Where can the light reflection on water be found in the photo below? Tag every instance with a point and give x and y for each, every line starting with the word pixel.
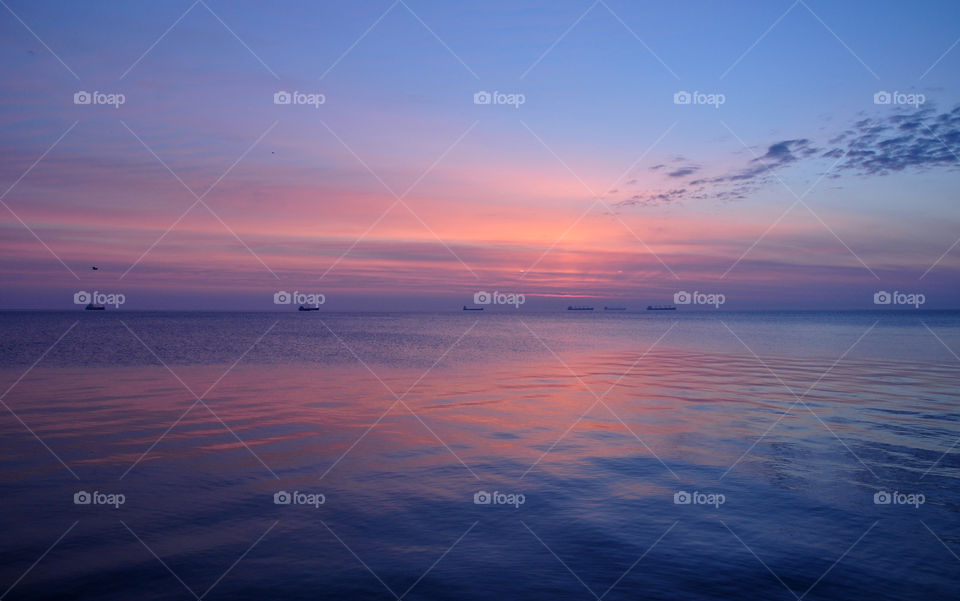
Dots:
pixel 499 412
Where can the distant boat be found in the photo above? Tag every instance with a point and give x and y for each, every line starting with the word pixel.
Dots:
pixel 302 308
pixel 614 308
pixel 93 307
pixel 573 308
pixel 466 308
pixel 661 308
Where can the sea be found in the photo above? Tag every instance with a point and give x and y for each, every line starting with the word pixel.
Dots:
pixel 480 455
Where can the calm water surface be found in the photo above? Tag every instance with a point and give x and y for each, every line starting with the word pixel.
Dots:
pixel 795 421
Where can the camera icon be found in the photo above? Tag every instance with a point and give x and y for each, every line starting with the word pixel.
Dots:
pixel 682 498
pixel 681 298
pixel 282 297
pixel 882 298
pixel 882 97
pixel 82 498
pixel 481 298
pixel 482 497
pixel 82 298
pixel 282 497
pixel 682 97
pixel 882 498
pixel 81 97
pixel 282 97
pixel 482 97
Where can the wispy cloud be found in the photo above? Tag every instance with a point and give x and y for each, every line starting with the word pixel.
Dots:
pixel 874 146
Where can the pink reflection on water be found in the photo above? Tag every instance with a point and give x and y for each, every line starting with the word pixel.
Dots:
pixel 696 409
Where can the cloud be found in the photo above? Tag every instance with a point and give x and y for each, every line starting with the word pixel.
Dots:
pixel 684 171
pixel 898 142
pixel 654 198
pixel 905 141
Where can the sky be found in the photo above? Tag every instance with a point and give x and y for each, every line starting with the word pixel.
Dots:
pixel 815 164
